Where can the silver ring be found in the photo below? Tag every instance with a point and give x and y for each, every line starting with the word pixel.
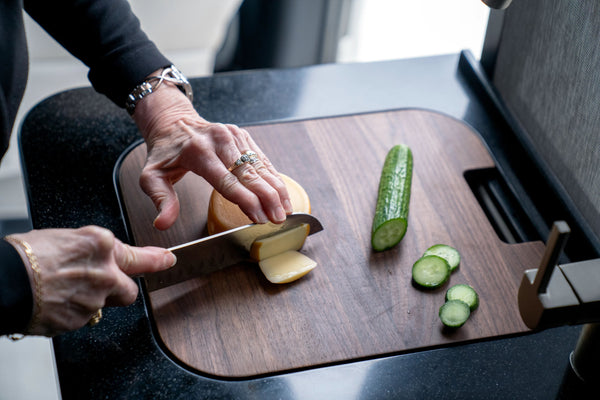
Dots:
pixel 249 157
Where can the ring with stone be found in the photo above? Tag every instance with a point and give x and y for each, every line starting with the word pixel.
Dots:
pixel 248 157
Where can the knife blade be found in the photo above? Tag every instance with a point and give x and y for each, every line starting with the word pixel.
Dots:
pixel 213 253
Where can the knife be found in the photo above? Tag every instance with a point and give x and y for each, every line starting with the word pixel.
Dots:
pixel 213 253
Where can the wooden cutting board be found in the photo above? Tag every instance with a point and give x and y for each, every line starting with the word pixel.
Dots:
pixel 356 304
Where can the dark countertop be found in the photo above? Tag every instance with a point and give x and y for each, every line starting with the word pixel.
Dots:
pixel 71 142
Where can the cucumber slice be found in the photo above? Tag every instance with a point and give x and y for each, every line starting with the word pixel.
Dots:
pixel 391 211
pixel 388 234
pixel 454 313
pixel 431 271
pixel 449 253
pixel 464 293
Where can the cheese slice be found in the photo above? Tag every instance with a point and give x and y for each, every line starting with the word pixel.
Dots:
pixel 286 267
pixel 292 239
pixel 224 215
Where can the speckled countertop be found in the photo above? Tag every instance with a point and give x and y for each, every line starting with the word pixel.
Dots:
pixel 71 142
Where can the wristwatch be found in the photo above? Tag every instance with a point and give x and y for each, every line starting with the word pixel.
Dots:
pixel 169 74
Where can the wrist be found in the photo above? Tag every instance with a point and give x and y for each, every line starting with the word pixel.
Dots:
pixel 165 107
pixel 169 76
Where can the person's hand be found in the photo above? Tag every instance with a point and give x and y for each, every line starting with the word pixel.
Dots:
pixel 81 271
pixel 179 140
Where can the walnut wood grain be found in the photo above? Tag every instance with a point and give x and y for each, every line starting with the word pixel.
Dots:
pixel 356 304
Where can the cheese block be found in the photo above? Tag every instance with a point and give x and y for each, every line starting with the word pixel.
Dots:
pixel 286 267
pixel 292 239
pixel 224 215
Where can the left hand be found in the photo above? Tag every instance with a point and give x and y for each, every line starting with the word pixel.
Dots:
pixel 179 140
pixel 81 271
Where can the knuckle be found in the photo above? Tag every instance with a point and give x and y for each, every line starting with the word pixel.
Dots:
pixel 278 185
pixel 130 296
pixel 272 195
pixel 266 162
pixel 226 185
pixel 129 258
pixel 220 131
pixel 100 239
pixel 146 182
pixel 249 175
pixel 261 168
pixel 146 177
pixel 243 134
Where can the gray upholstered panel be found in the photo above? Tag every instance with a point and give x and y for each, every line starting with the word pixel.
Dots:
pixel 548 73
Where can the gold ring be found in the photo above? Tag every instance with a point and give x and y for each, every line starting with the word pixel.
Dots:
pixel 95 318
pixel 248 157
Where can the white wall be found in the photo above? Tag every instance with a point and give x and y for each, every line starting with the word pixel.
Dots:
pixel 396 29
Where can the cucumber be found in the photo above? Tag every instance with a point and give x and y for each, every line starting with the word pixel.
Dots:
pixel 465 293
pixel 454 313
pixel 430 271
pixel 391 211
pixel 449 253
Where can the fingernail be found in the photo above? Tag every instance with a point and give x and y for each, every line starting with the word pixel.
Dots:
pixel 279 214
pixel 261 217
pixel 173 258
pixel 288 206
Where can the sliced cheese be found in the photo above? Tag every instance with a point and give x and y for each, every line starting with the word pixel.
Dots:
pixel 292 239
pixel 286 267
pixel 224 215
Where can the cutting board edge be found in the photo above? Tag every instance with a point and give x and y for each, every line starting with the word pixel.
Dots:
pixel 374 357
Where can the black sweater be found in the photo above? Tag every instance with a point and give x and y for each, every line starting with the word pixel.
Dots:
pixel 107 37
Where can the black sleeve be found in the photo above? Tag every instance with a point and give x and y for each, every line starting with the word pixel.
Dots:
pixel 106 36
pixel 16 298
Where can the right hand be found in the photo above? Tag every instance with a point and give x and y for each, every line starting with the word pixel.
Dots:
pixel 83 270
pixel 179 140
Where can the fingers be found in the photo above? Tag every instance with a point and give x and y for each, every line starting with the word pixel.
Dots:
pixel 110 264
pixel 250 180
pixel 134 261
pixel 160 190
pixel 210 150
pixel 231 188
pixel 75 272
pixel 268 172
pixel 249 176
pixel 102 273
pixel 140 260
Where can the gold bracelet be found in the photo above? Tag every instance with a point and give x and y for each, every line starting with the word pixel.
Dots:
pixel 37 279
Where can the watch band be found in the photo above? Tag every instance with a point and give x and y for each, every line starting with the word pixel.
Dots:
pixel 169 74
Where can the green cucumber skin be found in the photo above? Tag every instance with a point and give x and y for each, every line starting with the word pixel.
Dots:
pixel 448 252
pixel 425 262
pixel 394 192
pixel 448 313
pixel 464 293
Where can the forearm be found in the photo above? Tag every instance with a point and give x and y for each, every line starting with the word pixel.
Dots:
pixel 106 36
